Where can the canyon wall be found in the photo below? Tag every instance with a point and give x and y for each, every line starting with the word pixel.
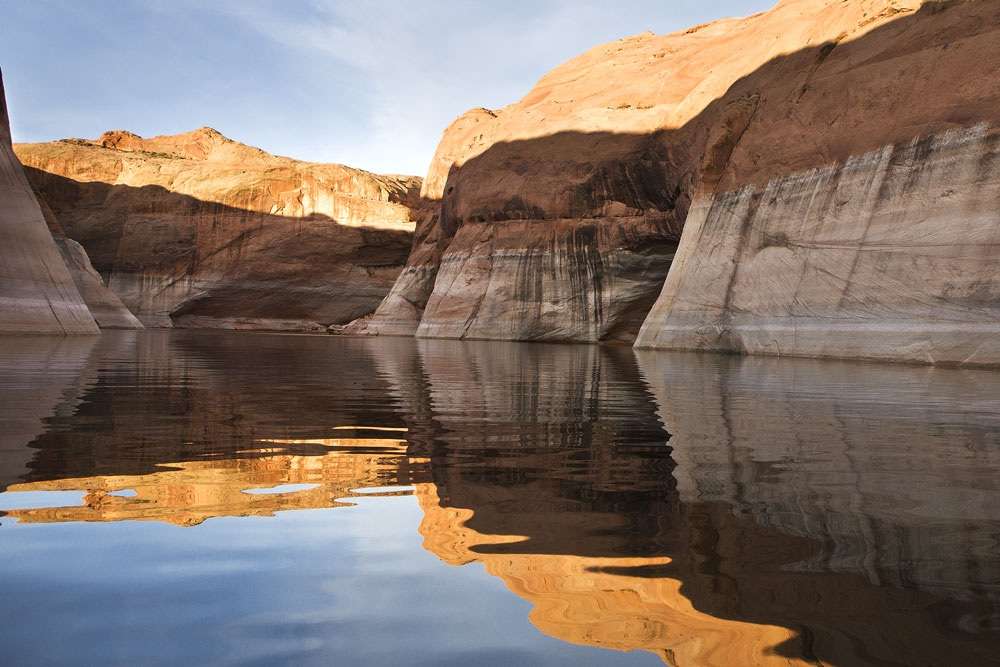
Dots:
pixel 858 215
pixel 106 308
pixel 37 291
pixel 822 159
pixel 550 219
pixel 198 230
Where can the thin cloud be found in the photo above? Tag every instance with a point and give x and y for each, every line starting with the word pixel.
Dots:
pixel 370 84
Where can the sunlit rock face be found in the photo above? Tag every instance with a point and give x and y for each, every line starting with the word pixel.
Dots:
pixel 558 216
pixel 199 230
pixel 838 228
pixel 37 291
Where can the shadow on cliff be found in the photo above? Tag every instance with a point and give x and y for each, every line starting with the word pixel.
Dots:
pixel 263 265
pixel 576 184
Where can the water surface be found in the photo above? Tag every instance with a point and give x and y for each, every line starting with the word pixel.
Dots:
pixel 261 499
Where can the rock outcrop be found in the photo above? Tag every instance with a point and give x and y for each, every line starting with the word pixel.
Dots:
pixel 198 230
pixel 548 224
pixel 832 164
pixel 106 308
pixel 37 291
pixel 858 215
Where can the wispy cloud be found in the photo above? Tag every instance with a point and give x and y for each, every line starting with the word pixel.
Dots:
pixel 372 84
pixel 422 64
pixel 421 67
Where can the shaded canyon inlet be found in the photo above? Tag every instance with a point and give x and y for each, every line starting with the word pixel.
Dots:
pixel 184 496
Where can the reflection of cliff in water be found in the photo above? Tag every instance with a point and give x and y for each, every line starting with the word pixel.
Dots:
pixel 40 377
pixel 817 513
pixel 892 471
pixel 154 399
pixel 188 493
pixel 798 512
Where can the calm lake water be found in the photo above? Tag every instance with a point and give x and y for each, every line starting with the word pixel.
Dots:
pixel 201 497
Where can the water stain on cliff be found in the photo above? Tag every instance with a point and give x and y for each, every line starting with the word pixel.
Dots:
pixel 642 184
pixel 176 259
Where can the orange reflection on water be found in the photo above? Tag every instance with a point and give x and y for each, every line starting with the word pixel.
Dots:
pixel 582 600
pixel 187 493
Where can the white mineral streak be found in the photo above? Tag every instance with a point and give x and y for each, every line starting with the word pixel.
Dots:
pixel 891 255
pixel 37 292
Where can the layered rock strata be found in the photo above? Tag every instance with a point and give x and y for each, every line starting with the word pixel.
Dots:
pixel 37 291
pixel 826 158
pixel 199 230
pixel 874 233
pixel 545 223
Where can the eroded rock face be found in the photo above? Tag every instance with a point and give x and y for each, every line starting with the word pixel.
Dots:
pixel 106 308
pixel 563 237
pixel 890 256
pixel 870 226
pixel 559 215
pixel 199 230
pixel 37 291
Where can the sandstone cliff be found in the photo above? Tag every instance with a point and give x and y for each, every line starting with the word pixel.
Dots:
pixel 198 230
pixel 852 142
pixel 106 308
pixel 857 214
pixel 37 291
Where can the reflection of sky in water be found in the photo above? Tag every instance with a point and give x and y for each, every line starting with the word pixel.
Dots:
pixel 214 497
pixel 22 500
pixel 303 588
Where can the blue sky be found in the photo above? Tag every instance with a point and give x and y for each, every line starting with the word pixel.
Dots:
pixel 369 84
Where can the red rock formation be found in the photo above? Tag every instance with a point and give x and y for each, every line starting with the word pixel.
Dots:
pixel 198 230
pixel 37 292
pixel 558 215
pixel 856 213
